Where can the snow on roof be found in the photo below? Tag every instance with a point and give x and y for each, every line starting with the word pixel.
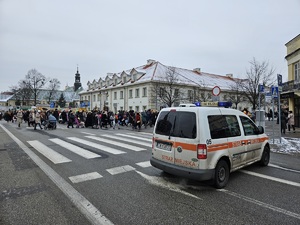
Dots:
pixel 156 71
pixel 5 98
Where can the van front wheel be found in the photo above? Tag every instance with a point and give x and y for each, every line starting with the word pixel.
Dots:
pixel 221 174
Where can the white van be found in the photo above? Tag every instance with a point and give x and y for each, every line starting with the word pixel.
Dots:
pixel 207 143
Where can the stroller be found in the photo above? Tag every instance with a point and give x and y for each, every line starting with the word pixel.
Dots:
pixel 50 125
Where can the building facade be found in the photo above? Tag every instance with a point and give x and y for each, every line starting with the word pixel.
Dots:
pixel 138 88
pixel 291 89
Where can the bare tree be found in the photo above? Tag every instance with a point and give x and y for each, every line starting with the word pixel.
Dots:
pixel 236 92
pixel 54 85
pixel 34 80
pixel 167 90
pixel 259 73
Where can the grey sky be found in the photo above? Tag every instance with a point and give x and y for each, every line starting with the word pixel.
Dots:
pixel 218 36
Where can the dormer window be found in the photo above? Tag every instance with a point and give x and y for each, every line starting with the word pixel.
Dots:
pixel 116 81
pixel 107 83
pixel 124 79
pixel 134 77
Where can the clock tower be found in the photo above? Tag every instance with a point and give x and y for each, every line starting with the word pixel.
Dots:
pixel 77 83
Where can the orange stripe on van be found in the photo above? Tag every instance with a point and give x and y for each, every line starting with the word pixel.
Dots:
pixel 185 146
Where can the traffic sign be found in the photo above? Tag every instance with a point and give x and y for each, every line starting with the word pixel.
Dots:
pixel 261 88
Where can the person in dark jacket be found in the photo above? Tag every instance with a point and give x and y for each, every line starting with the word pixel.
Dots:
pixel 283 122
pixel 71 119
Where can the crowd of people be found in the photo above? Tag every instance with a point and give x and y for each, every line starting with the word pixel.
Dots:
pixel 96 119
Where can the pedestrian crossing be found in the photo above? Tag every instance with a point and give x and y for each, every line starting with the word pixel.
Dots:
pixel 115 144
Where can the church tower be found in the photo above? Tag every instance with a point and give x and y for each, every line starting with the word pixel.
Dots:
pixel 77 83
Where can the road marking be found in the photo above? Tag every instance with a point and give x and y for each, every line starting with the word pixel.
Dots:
pixel 265 205
pixel 85 177
pixel 130 147
pixel 98 146
pixel 144 164
pixel 271 178
pixel 149 134
pixel 73 148
pixel 283 168
pixel 127 140
pixel 83 205
pixel 88 133
pixel 120 169
pixel 134 136
pixel 161 182
pixel 52 155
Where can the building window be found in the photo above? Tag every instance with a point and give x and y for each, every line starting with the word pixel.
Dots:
pixel 130 93
pixel 144 108
pixel 107 83
pixel 116 81
pixel 134 77
pixel 121 95
pixel 190 95
pixel 137 109
pixel 297 71
pixel 94 98
pixel 137 93
pixel 115 95
pixel 144 92
pixel 130 107
pixel 121 108
pixel 124 79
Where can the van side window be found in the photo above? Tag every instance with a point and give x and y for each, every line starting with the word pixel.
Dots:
pixel 249 127
pixel 177 124
pixel 223 126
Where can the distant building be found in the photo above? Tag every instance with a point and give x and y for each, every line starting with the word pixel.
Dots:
pixel 77 83
pixel 291 89
pixel 133 89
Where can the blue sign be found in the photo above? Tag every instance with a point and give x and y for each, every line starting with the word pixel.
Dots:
pixel 52 105
pixel 279 79
pixel 261 88
pixel 274 92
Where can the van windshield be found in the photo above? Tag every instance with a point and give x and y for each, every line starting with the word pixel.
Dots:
pixel 177 124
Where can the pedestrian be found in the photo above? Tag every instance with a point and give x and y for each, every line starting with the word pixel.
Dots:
pixel 37 119
pixel 291 121
pixel 283 122
pixel 71 119
pixel 19 117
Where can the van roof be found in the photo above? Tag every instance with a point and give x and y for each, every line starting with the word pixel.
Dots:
pixel 205 110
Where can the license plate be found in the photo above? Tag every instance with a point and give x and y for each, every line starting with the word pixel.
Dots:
pixel 164 146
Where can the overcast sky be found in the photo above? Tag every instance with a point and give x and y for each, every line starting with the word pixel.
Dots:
pixel 218 36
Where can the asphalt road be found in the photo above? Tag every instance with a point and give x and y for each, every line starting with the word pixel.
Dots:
pixel 120 187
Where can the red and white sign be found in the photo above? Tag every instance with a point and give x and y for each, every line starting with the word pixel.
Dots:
pixel 216 91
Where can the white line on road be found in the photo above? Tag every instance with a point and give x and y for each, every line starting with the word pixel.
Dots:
pixel 120 169
pixel 134 136
pixel 83 205
pixel 283 168
pixel 271 178
pixel 265 205
pixel 88 133
pixel 117 143
pixel 144 164
pixel 85 177
pixel 98 146
pixel 128 140
pixel 73 148
pixel 52 155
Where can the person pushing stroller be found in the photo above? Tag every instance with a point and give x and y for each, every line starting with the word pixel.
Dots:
pixel 51 122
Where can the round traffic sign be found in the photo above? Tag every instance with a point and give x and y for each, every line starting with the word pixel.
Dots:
pixel 216 90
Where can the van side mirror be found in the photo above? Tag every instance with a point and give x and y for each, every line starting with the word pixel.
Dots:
pixel 261 129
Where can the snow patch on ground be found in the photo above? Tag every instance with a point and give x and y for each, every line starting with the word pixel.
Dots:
pixel 287 145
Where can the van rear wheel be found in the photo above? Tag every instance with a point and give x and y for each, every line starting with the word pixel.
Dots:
pixel 221 174
pixel 265 157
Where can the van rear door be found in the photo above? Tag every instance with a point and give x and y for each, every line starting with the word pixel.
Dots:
pixel 163 141
pixel 184 132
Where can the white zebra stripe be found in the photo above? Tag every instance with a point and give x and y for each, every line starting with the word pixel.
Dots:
pixel 128 140
pixel 98 146
pixel 120 169
pixel 73 148
pixel 136 137
pixel 52 155
pixel 119 144
pixel 85 177
pixel 144 164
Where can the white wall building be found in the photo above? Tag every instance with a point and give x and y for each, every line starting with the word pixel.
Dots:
pixel 134 88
